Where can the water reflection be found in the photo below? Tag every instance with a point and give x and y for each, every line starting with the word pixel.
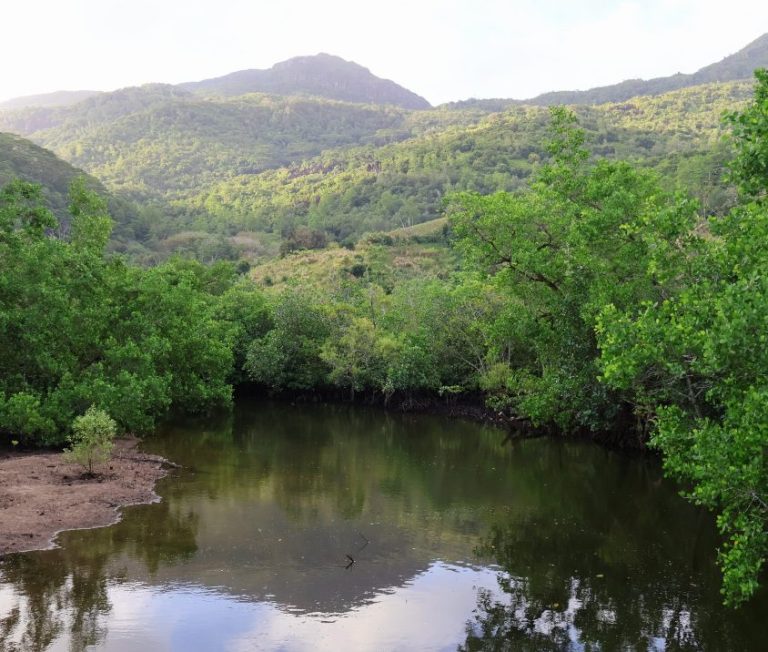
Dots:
pixel 66 592
pixel 637 576
pixel 552 545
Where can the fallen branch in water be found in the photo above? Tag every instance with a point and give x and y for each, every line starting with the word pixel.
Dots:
pixel 360 549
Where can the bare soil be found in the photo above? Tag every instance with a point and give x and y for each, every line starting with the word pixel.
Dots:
pixel 41 494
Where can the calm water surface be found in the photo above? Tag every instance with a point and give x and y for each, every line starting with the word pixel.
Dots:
pixel 458 540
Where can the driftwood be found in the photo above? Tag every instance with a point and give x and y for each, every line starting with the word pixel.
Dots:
pixel 360 549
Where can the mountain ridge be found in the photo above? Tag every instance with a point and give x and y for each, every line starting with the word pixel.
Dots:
pixel 735 67
pixel 322 75
pixel 47 100
pixel 332 77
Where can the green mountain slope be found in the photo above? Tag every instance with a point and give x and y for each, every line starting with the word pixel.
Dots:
pixel 357 190
pixel 322 75
pixel 159 141
pixel 229 176
pixel 21 159
pixel 102 109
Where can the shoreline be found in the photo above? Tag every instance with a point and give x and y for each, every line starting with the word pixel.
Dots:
pixel 41 495
pixel 469 406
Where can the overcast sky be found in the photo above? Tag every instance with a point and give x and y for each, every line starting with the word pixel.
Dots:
pixel 442 49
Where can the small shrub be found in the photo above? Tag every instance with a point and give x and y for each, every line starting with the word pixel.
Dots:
pixel 92 439
pixel 358 270
pixel 378 238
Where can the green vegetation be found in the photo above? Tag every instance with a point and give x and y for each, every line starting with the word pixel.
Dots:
pixel 21 159
pixel 228 178
pixel 352 191
pixel 695 359
pixel 572 242
pixel 384 258
pixel 627 300
pixel 79 329
pixel 92 439
pixel 610 280
pixel 161 142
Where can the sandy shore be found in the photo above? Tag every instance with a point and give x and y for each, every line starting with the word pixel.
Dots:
pixel 41 495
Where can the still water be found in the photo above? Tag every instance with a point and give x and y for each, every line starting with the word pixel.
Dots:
pixel 341 528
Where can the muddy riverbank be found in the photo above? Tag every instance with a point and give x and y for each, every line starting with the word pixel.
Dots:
pixel 42 495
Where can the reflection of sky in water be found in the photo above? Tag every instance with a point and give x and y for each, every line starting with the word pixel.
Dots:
pixel 429 613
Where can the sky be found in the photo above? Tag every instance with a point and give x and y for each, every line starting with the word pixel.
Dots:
pixel 442 49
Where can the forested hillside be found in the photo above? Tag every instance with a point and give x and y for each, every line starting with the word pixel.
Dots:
pixel 158 141
pixel 214 168
pixel 222 172
pixel 22 159
pixel 349 192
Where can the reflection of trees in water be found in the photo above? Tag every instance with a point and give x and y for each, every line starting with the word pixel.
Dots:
pixel 557 594
pixel 316 459
pixel 54 595
pixel 155 534
pixel 584 622
pixel 66 590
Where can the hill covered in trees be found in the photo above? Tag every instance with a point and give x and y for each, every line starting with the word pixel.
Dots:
pixel 348 192
pixel 221 175
pixel 22 159
pixel 159 141
pixel 218 167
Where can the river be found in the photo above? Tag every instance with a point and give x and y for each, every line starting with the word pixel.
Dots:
pixel 327 527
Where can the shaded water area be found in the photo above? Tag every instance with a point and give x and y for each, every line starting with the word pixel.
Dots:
pixel 459 541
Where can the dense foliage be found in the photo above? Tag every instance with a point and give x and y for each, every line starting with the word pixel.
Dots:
pixel 695 359
pixel 21 159
pixel 356 190
pixel 158 141
pixel 78 329
pixel 628 300
pixel 575 240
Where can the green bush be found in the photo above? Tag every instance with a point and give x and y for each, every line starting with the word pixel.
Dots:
pixel 92 439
